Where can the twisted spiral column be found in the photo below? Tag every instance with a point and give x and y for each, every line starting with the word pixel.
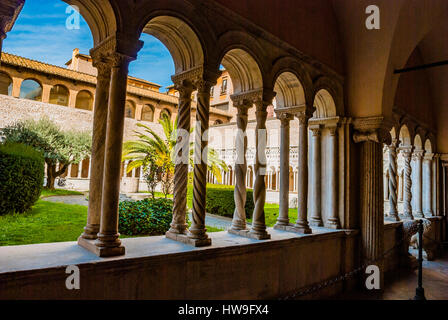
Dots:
pixel 301 224
pixel 197 230
pixel 258 218
pixel 393 182
pixel 178 224
pixel 407 207
pixel 239 215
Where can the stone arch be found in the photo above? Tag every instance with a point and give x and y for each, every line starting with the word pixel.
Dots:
pixel 292 65
pixel 289 90
pixel 243 70
pixel 59 95
pixel 405 136
pixel 324 104
pixel 418 142
pixel 428 146
pixel 5 83
pixel 179 38
pixel 148 113
pixel 84 100
pixel 328 88
pixel 130 109
pixel 100 17
pixel 31 89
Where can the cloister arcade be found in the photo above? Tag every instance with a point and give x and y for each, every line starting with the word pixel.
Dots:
pixel 340 124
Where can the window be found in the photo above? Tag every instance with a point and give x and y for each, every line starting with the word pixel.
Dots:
pixel 31 89
pixel 224 86
pixel 129 109
pixel 59 95
pixel 148 113
pixel 217 122
pixel 84 100
pixel 5 84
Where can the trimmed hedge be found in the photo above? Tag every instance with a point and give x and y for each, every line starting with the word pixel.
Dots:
pixel 146 217
pixel 221 201
pixel 21 177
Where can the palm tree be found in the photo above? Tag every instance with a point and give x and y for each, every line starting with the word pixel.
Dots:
pixel 141 153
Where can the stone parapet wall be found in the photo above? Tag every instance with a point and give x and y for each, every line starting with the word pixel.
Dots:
pixel 15 109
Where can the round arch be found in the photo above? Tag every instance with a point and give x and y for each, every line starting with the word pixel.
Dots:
pixel 289 91
pixel 31 89
pixel 84 100
pixel 148 113
pixel 428 146
pixel 405 136
pixel 129 111
pixel 179 38
pixel 59 95
pixel 418 142
pixel 324 104
pixel 5 83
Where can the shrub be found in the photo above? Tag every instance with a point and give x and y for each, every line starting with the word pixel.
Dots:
pixel 221 201
pixel 21 177
pixel 145 217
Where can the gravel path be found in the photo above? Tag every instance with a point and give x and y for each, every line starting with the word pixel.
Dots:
pixel 210 219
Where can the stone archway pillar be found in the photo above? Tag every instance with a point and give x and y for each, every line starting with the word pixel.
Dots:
pixel 393 181
pixel 333 165
pixel 418 157
pixel 283 217
pixel 407 194
pixel 98 146
pixel 302 226
pixel 185 88
pixel 316 191
pixel 371 137
pixel 242 103
pixel 427 184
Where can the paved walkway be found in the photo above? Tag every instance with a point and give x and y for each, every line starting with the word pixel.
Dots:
pixel 210 220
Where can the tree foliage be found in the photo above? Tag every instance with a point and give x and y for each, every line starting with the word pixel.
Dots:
pixel 57 146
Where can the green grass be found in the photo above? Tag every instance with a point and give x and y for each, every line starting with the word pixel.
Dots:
pixel 47 222
pixel 271 213
pixel 58 192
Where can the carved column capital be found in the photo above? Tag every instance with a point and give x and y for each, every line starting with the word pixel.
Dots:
pixel 418 155
pixel 316 130
pixel 379 135
pixel 246 99
pixel 116 50
pixel 333 129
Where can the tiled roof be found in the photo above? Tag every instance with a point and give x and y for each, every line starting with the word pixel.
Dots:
pixel 18 61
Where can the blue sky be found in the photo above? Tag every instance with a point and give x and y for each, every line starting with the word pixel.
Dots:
pixel 40 33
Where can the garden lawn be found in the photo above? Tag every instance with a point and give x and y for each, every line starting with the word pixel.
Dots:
pixel 47 222
pixel 59 192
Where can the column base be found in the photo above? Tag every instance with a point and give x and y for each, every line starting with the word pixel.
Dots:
pixel 90 245
pixel 316 222
pixel 187 240
pixel 333 224
pixel 418 215
pixel 292 228
pixel 249 234
pixel 91 232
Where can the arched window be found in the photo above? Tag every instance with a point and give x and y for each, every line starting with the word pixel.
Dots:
pixel 5 84
pixel 165 112
pixel 148 113
pixel 130 109
pixel 84 100
pixel 59 95
pixel 217 122
pixel 31 89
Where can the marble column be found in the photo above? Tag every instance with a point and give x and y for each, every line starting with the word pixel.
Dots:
pixel 302 225
pixel 283 216
pixel 407 196
pixel 197 232
pixel 178 224
pixel 108 241
pixel 418 157
pixel 240 193
pixel 427 185
pixel 393 182
pixel 372 199
pixel 316 190
pixel 333 183
pixel 258 230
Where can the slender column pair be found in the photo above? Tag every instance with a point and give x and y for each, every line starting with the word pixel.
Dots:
pixel 244 101
pixel 418 157
pixel 393 181
pixel 428 184
pixel 202 81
